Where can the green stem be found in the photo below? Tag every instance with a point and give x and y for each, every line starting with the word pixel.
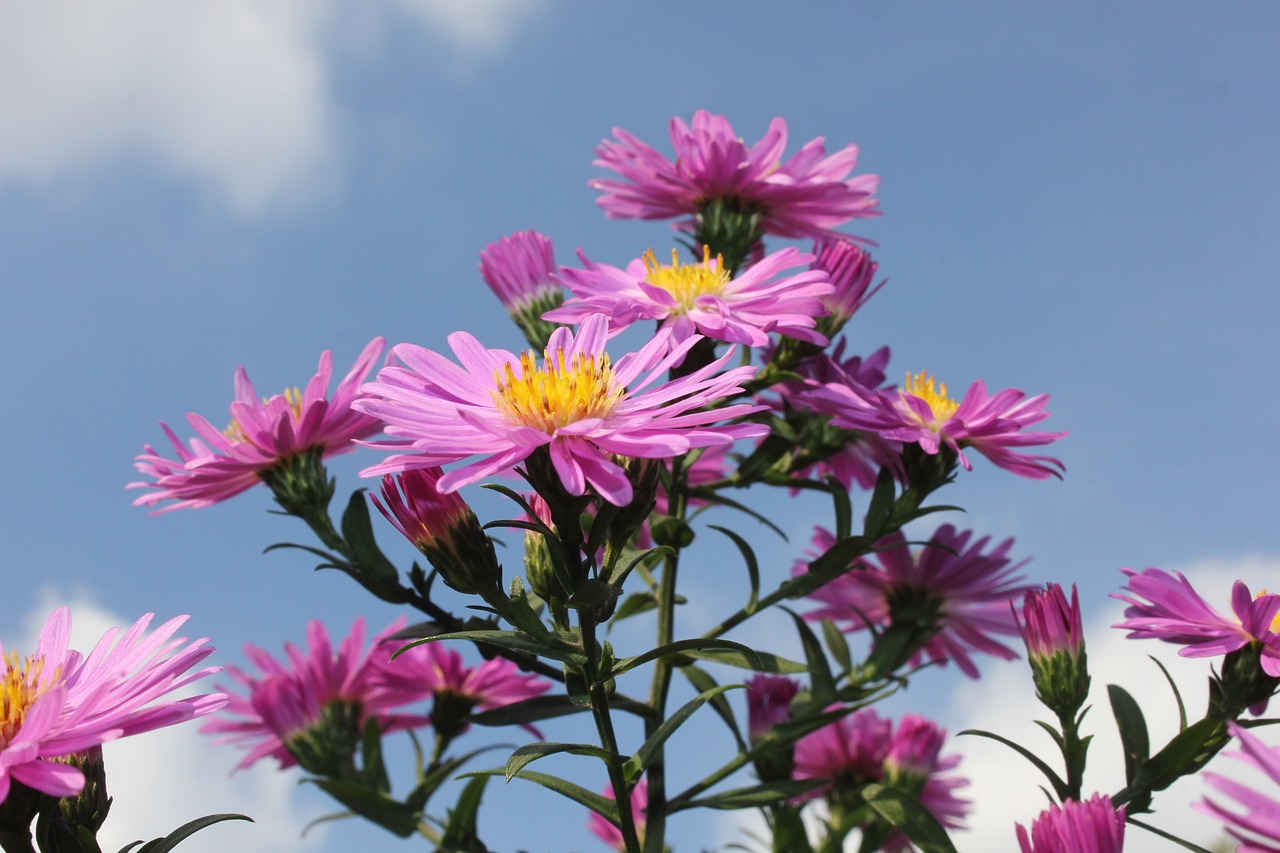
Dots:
pixel 599 701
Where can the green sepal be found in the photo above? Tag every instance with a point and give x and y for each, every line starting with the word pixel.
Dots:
pixel 837 645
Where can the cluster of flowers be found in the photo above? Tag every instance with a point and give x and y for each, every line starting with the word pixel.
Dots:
pixel 580 422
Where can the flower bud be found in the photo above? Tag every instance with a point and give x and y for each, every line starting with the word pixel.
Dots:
pixel 1052 631
pixel 445 530
pixel 520 269
pixel 768 705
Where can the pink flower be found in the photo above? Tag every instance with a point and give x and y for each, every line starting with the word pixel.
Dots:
pixel 437 671
pixel 1174 612
pixel 607 831
pixel 318 695
pixel 1051 625
pixel 520 269
pixel 970 592
pixel 921 412
pixel 1257 827
pixel 851 270
pixel 576 404
pixel 702 298
pixel 220 464
pixel 808 195
pixel 58 702
pixel 862 748
pixel 769 702
pixel 1093 826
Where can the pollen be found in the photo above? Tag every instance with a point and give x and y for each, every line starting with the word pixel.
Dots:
pixel 561 392
pixel 686 282
pixel 927 388
pixel 19 687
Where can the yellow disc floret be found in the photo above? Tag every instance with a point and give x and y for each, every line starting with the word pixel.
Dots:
pixel 928 389
pixel 19 687
pixel 687 282
pixel 557 394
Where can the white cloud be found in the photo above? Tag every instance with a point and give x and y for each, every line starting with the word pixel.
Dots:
pixel 1005 787
pixel 232 96
pixel 162 779
pixel 476 24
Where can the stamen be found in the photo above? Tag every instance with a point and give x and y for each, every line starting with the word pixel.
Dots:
pixel 687 282
pixel 926 388
pixel 557 394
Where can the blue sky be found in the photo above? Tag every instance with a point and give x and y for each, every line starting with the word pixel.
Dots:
pixel 1079 199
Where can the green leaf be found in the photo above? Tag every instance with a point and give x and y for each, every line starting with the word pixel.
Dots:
pixel 754 796
pixel 375 807
pixel 843 507
pixel 1133 731
pixel 697 644
pixel 702 682
pixel 1183 754
pixel 598 803
pixel 531 752
pixel 670 532
pixel 637 763
pixel 713 497
pixel 1168 836
pixel 460 832
pixel 757 662
pixel 527 711
pixel 880 509
pixel 633 605
pixel 1059 786
pixel 631 559
pixel 753 567
pixel 430 782
pixel 837 645
pixel 822 684
pixel 1177 697
pixel 375 770
pixel 173 839
pixel 514 640
pixel 906 813
pixel 358 531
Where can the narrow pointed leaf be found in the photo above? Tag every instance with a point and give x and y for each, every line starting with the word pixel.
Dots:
pixel 357 529
pixel 1059 786
pixel 460 829
pixel 173 839
pixel 637 763
pixel 753 567
pixel 702 682
pixel 697 644
pixel 755 796
pixel 514 640
pixel 905 813
pixel 757 662
pixel 598 803
pixel 822 683
pixel 531 752
pixel 392 815
pixel 1133 731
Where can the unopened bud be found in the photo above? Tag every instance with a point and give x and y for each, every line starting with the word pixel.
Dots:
pixel 1051 629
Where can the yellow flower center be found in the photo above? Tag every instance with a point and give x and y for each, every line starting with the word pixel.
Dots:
pixel 686 282
pixel 292 396
pixel 19 687
pixel 1275 622
pixel 557 394
pixel 928 389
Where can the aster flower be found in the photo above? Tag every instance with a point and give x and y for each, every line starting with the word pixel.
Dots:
pixel 702 298
pixel 1166 607
pixel 967 593
pixel 1075 827
pixel 769 702
pixel 851 270
pixel 263 434
pixel 520 269
pixel 808 195
pixel 921 412
pixel 607 831
pixel 438 672
pixel 576 404
pixel 1257 827
pixel 57 702
pixel 445 529
pixel 311 708
pixel 863 748
pixel 1052 630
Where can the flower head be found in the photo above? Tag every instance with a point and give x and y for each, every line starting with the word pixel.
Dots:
pixel 57 702
pixel 1052 630
pixel 847 753
pixel 263 435
pixel 851 270
pixel 576 404
pixel 1094 826
pixel 1257 827
pixel 311 709
pixel 520 269
pixel 807 195
pixel 1174 612
pixel 964 592
pixel 607 831
pixel 769 702
pixel 702 298
pixel 922 412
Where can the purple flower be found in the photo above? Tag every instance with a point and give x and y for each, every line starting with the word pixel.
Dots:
pixel 317 695
pixel 520 269
pixel 1257 827
pixel 808 195
pixel 433 670
pixel 921 412
pixel 1093 826
pixel 968 590
pixel 58 702
pixel 915 764
pixel 220 464
pixel 702 298
pixel 577 404
pixel 1050 624
pixel 769 702
pixel 851 270
pixel 1174 612
pixel 847 753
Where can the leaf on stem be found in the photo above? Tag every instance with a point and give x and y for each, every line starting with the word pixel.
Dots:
pixel 1133 731
pixel 905 813
pixel 1059 786
pixel 531 752
pixel 598 803
pixel 636 764
pixel 753 567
